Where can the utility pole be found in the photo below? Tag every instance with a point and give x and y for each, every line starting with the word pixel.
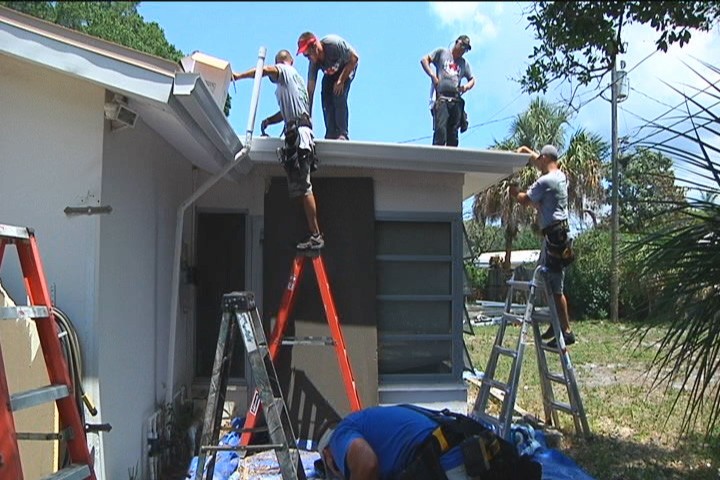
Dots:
pixel 614 214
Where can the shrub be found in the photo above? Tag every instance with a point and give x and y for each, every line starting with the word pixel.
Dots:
pixel 587 279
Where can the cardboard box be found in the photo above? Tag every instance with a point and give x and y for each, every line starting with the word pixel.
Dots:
pixel 216 74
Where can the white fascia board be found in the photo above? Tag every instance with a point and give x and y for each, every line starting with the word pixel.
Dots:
pixel 481 168
pixel 91 65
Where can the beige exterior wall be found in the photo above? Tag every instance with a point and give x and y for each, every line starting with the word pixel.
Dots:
pixel 26 370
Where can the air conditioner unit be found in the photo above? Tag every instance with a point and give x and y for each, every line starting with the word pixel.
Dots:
pixel 120 113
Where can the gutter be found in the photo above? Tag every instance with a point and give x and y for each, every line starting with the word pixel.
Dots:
pixel 239 157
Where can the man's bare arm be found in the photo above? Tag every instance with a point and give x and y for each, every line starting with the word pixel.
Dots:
pixel 268 70
pixel 362 461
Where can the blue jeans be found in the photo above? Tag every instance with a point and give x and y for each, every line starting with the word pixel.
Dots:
pixel 446 122
pixel 335 107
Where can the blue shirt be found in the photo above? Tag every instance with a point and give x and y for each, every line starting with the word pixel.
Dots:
pixel 393 433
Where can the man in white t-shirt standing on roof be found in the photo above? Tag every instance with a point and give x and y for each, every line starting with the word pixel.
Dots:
pixel 549 194
pixel 298 156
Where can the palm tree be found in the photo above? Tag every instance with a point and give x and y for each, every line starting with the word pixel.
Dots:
pixel 544 123
pixel 681 258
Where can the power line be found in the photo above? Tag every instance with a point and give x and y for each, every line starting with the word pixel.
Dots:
pixel 469 128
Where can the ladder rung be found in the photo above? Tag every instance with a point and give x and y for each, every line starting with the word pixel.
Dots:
pixel 11 231
pixel 38 396
pixel 73 472
pixel 230 448
pixel 511 317
pixel 13 313
pixel 506 351
pixel 548 348
pixel 308 341
pixel 565 407
pixel 519 284
pixel 556 378
pixel 541 316
pixel 496 384
pixel 62 435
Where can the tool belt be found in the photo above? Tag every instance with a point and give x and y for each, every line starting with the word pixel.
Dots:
pixel 464 124
pixel 291 155
pixel 558 246
pixel 486 456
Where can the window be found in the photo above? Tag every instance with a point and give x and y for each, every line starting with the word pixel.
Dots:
pixel 416 297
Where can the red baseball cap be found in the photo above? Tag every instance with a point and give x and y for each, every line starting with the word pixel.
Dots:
pixel 304 43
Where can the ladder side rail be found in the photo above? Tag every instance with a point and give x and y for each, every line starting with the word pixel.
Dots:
pixel 579 417
pixel 287 302
pixel 334 322
pixel 278 419
pixel 57 369
pixel 481 401
pixel 511 396
pixel 548 394
pixel 216 394
pixel 11 466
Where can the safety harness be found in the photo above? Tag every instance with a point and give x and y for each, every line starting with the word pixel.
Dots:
pixel 486 455
pixel 559 251
pixel 291 155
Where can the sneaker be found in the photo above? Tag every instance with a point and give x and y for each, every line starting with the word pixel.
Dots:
pixel 569 338
pixel 314 241
pixel 549 333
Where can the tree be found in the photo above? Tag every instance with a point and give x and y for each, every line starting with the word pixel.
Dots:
pixel 579 40
pixel 646 188
pixel 117 22
pixel 541 124
pixel 681 258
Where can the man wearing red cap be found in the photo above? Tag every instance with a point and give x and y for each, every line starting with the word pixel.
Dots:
pixel 338 61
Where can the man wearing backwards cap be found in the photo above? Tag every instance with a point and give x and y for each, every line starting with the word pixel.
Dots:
pixel 549 194
pixel 448 110
pixel 381 442
pixel 338 61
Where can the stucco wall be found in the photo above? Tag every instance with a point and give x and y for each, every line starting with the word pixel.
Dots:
pixel 50 150
pixel 144 180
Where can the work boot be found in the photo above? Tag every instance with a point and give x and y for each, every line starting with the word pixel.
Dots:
pixel 569 338
pixel 313 241
pixel 549 333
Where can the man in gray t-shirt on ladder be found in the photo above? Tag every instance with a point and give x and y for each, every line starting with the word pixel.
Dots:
pixel 299 152
pixel 549 194
pixel 449 108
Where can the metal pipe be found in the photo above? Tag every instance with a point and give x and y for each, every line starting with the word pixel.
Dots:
pixel 175 296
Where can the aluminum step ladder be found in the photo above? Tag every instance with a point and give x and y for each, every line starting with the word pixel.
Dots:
pixel 337 340
pixel 240 312
pixel 60 390
pixel 531 318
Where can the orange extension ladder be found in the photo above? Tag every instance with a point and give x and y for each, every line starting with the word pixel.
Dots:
pixel 277 337
pixel 60 389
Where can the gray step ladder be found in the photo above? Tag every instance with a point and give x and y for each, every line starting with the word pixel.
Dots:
pixel 531 318
pixel 60 391
pixel 240 312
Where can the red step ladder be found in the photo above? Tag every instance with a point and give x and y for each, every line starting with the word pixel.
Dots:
pixel 277 337
pixel 60 389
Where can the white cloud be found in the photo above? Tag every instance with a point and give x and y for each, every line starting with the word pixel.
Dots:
pixel 474 19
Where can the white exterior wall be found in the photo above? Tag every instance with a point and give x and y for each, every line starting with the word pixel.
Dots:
pixel 144 180
pixel 50 158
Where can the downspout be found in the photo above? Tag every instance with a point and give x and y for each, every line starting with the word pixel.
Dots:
pixel 240 156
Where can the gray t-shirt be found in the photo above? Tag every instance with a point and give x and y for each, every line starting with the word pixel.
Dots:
pixel 337 55
pixel 550 191
pixel 291 93
pixel 449 71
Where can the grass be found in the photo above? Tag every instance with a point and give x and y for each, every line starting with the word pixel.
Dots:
pixel 634 434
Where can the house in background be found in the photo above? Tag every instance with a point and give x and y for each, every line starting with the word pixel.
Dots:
pixel 391 215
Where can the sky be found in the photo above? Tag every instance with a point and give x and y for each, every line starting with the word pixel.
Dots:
pixel 388 100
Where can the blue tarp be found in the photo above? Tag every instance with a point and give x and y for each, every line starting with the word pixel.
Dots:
pixel 555 464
